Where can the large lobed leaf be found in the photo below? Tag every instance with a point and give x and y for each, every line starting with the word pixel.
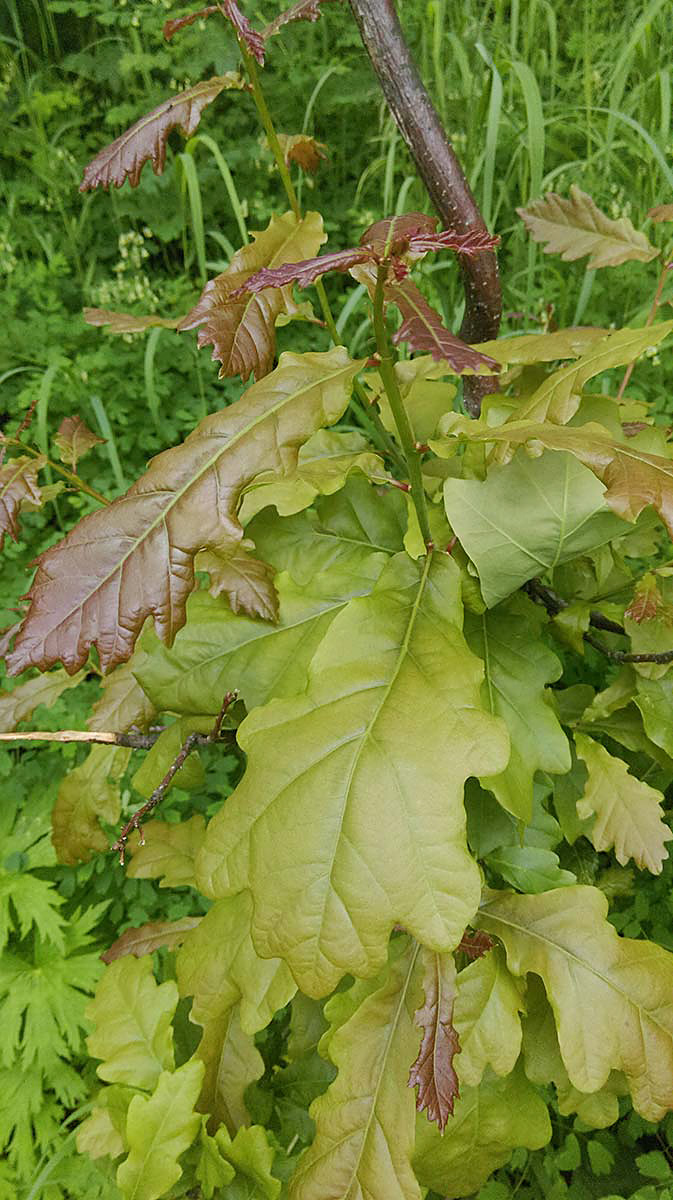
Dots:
pixel 126 156
pixel 132 1023
pixel 575 227
pixel 366 763
pixel 240 326
pixel 135 558
pixel 612 997
pixel 365 1120
pixel 633 478
pixel 526 518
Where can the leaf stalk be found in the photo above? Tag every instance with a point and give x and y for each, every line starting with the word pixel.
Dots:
pixel 407 439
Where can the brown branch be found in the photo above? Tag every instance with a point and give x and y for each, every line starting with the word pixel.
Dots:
pixel 440 170
pixel 555 604
pixel 190 743
pixel 136 741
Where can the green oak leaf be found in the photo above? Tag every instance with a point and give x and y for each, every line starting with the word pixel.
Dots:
pixel 528 517
pixel 132 1015
pixel 168 852
pixel 486 1015
pixel 86 796
pixel 654 698
pixel 530 868
pixel 159 1128
pixel 365 1120
pixel 218 650
pixel 323 464
pixel 20 704
pixel 363 760
pixel 628 811
pixel 339 532
pixel 488 1123
pixel 235 994
pixel 611 996
pixel 517 667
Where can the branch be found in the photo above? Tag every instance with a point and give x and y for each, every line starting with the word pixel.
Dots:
pixel 440 170
pixel 190 743
pixel 136 741
pixel 555 604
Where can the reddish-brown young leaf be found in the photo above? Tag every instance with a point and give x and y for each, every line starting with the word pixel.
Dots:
pixel 238 325
pixel 135 558
pixel 391 236
pixel 303 10
pixel 127 322
pixel 74 439
pixel 647 600
pixel 303 273
pixel 18 482
pixel 423 329
pixel 178 23
pixel 252 40
pixel 463 243
pixel 475 944
pixel 661 212
pixel 433 1070
pixel 126 156
pixel 148 938
pixel 303 150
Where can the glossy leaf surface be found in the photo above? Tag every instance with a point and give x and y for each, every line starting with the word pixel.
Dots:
pixel 18 482
pixel 136 557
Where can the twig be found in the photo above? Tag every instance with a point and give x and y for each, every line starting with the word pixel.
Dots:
pixel 555 604
pixel 194 739
pixel 666 656
pixel 136 741
pixel 28 416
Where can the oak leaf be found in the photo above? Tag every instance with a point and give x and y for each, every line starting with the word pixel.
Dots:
pixel 251 39
pixel 486 1016
pixel 241 326
pixel 385 663
pixel 168 852
pixel 244 580
pixel 576 227
pixel 74 439
pixel 303 10
pixel 159 1129
pixel 131 1015
pixel 433 1071
pixel 145 939
pixel 611 996
pixel 628 811
pixel 661 212
pixel 303 150
pixel 126 156
pixel 21 702
pixel 127 322
pixel 647 600
pixel 135 558
pixel 365 1120
pixel 174 26
pixel 425 332
pixel 18 482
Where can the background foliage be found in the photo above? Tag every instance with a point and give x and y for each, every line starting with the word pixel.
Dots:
pixel 535 95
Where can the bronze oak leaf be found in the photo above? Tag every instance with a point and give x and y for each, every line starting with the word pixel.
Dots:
pixel 135 558
pixel 433 1070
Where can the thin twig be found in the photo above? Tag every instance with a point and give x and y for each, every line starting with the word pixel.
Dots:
pixel 555 604
pixel 136 741
pixel 650 318
pixel 194 739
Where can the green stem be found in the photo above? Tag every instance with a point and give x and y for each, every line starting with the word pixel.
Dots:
pixel 265 118
pixel 370 420
pixel 387 372
pixel 60 470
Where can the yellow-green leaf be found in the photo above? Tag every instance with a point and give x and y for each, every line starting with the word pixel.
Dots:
pixel 168 852
pixel 132 1018
pixel 395 661
pixel 158 1130
pixel 628 811
pixel 612 997
pixel 486 1015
